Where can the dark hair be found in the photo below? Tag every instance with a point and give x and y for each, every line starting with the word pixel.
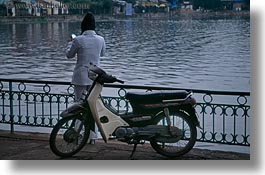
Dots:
pixel 88 22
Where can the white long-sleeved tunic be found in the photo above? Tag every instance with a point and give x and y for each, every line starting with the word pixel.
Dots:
pixel 88 47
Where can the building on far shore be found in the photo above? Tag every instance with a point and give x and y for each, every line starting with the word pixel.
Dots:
pixel 114 7
pixel 236 5
pixel 53 7
pixel 32 7
pixel 186 5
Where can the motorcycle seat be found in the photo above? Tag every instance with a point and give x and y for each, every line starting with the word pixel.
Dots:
pixel 155 97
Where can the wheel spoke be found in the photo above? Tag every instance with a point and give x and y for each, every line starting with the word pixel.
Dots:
pixel 187 138
pixel 69 136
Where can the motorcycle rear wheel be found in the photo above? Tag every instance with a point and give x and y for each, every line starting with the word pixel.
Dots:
pixel 67 138
pixel 188 138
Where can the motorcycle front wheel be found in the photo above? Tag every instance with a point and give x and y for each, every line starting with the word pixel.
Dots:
pixel 69 136
pixel 187 138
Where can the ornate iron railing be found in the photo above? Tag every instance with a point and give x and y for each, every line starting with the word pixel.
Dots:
pixel 224 116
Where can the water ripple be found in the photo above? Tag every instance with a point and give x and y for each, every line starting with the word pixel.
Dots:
pixel 203 54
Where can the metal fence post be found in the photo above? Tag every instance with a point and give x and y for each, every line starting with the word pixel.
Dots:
pixel 11 107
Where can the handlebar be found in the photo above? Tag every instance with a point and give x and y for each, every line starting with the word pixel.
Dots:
pixel 102 76
pixel 119 81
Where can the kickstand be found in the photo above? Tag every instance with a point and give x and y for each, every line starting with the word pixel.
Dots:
pixel 134 148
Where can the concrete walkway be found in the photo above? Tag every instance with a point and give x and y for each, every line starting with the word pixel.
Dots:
pixel 35 146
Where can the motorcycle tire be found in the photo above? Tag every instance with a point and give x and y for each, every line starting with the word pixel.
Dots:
pixel 188 138
pixel 72 141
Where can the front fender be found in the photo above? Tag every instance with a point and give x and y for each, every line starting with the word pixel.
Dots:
pixel 73 110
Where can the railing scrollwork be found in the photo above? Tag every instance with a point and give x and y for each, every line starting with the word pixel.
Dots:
pixel 224 116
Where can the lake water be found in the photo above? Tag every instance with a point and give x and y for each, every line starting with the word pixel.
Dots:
pixel 198 54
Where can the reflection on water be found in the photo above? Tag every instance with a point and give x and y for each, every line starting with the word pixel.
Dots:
pixel 199 54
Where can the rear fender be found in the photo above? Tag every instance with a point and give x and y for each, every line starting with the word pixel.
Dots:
pixel 186 109
pixel 190 111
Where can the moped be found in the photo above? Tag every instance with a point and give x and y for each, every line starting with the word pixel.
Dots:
pixel 165 119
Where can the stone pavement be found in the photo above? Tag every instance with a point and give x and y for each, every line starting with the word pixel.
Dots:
pixel 35 146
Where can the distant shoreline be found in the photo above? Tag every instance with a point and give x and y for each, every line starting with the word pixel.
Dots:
pixel 178 15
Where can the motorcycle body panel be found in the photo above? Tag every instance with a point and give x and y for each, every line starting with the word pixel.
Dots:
pixel 106 121
pixel 75 109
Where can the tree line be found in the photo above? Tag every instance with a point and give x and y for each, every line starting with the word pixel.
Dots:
pixel 96 6
pixel 214 4
pixel 105 6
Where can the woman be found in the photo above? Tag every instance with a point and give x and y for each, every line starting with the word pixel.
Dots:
pixel 88 47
